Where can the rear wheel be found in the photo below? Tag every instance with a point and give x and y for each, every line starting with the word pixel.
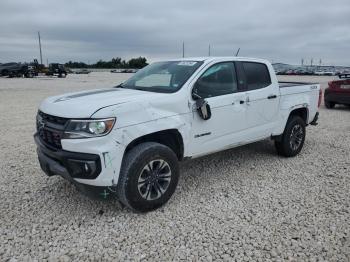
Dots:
pixel 329 105
pixel 29 75
pixel 293 137
pixel 148 177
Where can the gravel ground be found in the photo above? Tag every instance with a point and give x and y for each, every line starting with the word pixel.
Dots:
pixel 246 203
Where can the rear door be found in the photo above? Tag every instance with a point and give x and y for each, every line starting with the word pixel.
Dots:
pixel 218 86
pixel 262 100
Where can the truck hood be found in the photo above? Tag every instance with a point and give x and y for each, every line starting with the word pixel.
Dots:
pixel 85 104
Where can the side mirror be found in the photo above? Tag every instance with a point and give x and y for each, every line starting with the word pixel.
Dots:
pixel 203 109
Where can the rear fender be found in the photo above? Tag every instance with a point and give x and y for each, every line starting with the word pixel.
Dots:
pixel 286 110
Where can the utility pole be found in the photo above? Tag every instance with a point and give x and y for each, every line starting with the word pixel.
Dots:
pixel 209 50
pixel 302 62
pixel 312 61
pixel 183 49
pixel 41 55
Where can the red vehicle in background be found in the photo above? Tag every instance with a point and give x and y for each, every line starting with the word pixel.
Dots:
pixel 338 92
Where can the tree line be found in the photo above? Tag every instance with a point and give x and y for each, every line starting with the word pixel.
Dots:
pixel 117 62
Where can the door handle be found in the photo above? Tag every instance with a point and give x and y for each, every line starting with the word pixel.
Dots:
pixel 241 102
pixel 248 101
pixel 271 97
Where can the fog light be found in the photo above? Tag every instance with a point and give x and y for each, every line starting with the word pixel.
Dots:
pixel 81 168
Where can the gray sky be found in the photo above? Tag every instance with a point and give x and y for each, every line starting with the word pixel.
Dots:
pixel 281 31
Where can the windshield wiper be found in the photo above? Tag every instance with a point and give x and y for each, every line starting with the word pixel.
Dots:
pixel 119 86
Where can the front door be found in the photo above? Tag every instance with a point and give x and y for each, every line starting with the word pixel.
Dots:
pixel 218 86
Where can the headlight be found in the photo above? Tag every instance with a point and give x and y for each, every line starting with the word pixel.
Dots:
pixel 88 128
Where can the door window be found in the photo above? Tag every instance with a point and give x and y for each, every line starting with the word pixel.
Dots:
pixel 219 79
pixel 257 75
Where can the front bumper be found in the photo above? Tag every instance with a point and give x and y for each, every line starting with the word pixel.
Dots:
pixel 73 166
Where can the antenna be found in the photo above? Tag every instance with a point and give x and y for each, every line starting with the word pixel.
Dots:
pixel 238 51
pixel 41 56
pixel 209 50
pixel 183 49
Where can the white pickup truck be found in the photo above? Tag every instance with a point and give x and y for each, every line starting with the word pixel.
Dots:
pixel 127 141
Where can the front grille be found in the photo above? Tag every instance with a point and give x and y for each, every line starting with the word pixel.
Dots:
pixel 53 119
pixel 51 138
pixel 50 129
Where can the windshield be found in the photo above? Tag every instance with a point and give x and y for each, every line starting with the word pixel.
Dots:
pixel 164 77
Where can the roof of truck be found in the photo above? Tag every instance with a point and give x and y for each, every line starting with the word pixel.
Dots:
pixel 218 58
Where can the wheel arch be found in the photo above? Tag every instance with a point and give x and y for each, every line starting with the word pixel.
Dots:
pixel 303 112
pixel 171 138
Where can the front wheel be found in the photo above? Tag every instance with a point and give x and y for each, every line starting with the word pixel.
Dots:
pixel 148 177
pixel 293 137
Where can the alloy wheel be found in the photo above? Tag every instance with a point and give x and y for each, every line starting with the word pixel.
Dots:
pixel 154 179
pixel 296 137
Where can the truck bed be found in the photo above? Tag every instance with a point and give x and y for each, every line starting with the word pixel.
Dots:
pixel 299 88
pixel 290 84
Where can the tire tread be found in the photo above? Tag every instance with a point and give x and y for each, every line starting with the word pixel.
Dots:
pixel 135 155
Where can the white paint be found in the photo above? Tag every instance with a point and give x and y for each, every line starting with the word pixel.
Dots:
pixel 140 113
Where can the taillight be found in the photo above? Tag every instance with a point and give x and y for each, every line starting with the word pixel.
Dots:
pixel 319 97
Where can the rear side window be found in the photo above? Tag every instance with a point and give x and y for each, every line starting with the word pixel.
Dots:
pixel 257 75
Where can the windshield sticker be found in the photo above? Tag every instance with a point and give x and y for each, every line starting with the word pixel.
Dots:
pixel 187 63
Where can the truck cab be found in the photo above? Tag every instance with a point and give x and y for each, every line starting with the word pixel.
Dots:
pixel 128 140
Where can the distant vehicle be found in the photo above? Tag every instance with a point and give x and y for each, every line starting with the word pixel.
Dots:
pixel 56 69
pixel 82 71
pixel 303 72
pixel 338 92
pixel 129 70
pixel 324 73
pixel 127 141
pixel 69 71
pixel 30 71
pixel 124 70
pixel 290 72
pixel 16 69
pixel 281 72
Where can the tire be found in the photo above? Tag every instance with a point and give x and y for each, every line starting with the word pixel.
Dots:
pixel 29 75
pixel 141 190
pixel 293 137
pixel 329 105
